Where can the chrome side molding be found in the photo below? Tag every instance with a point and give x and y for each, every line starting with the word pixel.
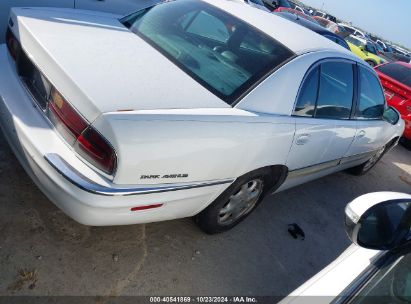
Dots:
pixel 84 183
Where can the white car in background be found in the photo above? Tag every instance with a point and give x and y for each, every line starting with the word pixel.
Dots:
pixel 352 30
pixel 377 267
pixel 183 109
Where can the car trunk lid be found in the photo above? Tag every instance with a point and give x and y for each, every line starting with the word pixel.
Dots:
pixel 99 66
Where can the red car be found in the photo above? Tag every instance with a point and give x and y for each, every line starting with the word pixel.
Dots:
pixel 396 80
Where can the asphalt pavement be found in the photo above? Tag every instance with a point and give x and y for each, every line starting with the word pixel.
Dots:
pixel 44 252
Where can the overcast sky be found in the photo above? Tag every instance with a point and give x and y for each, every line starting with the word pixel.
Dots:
pixel 391 19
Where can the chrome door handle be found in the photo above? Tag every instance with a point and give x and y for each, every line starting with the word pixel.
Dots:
pixel 302 139
pixel 361 134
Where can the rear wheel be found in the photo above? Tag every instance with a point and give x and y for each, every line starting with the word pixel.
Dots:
pixel 234 204
pixel 369 164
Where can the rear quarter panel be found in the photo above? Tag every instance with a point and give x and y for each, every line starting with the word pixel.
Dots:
pixel 198 145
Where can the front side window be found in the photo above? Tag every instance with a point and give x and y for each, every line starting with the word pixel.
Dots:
pixel 327 92
pixel 371 101
pixel 223 53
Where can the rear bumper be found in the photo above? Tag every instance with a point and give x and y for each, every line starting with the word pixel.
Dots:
pixel 70 184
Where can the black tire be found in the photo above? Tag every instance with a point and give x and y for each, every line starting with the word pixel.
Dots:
pixel 209 220
pixel 369 164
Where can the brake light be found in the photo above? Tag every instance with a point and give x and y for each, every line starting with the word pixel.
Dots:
pixel 13 45
pixel 66 114
pixel 87 142
pixel 94 148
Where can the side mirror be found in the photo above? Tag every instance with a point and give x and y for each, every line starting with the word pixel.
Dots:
pixel 391 116
pixel 380 220
pixel 362 48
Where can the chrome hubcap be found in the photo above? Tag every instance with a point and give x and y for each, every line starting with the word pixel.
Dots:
pixel 241 202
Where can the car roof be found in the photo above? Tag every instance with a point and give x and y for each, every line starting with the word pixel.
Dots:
pixel 298 39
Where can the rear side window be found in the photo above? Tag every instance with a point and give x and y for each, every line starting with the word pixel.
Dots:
pixel 336 90
pixel 398 72
pixel 371 102
pixel 327 92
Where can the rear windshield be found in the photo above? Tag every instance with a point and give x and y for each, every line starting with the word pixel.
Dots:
pixel 398 72
pixel 224 54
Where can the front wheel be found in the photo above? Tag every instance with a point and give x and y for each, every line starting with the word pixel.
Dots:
pixel 234 204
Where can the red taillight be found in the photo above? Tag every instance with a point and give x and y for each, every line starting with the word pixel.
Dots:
pixel 93 147
pixel 66 114
pixel 13 44
pixel 87 142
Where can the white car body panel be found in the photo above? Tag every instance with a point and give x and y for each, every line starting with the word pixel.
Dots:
pixel 196 142
pixel 333 279
pixel 103 44
pixel 160 121
pixel 366 201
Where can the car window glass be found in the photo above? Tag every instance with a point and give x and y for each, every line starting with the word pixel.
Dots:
pixel 223 53
pixel 371 100
pixel 208 26
pixel 336 91
pixel 338 41
pixel 308 95
pixel 342 43
pixel 371 48
pixel 392 284
pixel 354 41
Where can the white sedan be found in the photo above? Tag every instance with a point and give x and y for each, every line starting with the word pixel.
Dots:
pixel 186 108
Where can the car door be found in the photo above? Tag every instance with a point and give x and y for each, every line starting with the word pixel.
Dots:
pixel 372 132
pixel 324 130
pixel 121 7
pixel 387 280
pixel 5 6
